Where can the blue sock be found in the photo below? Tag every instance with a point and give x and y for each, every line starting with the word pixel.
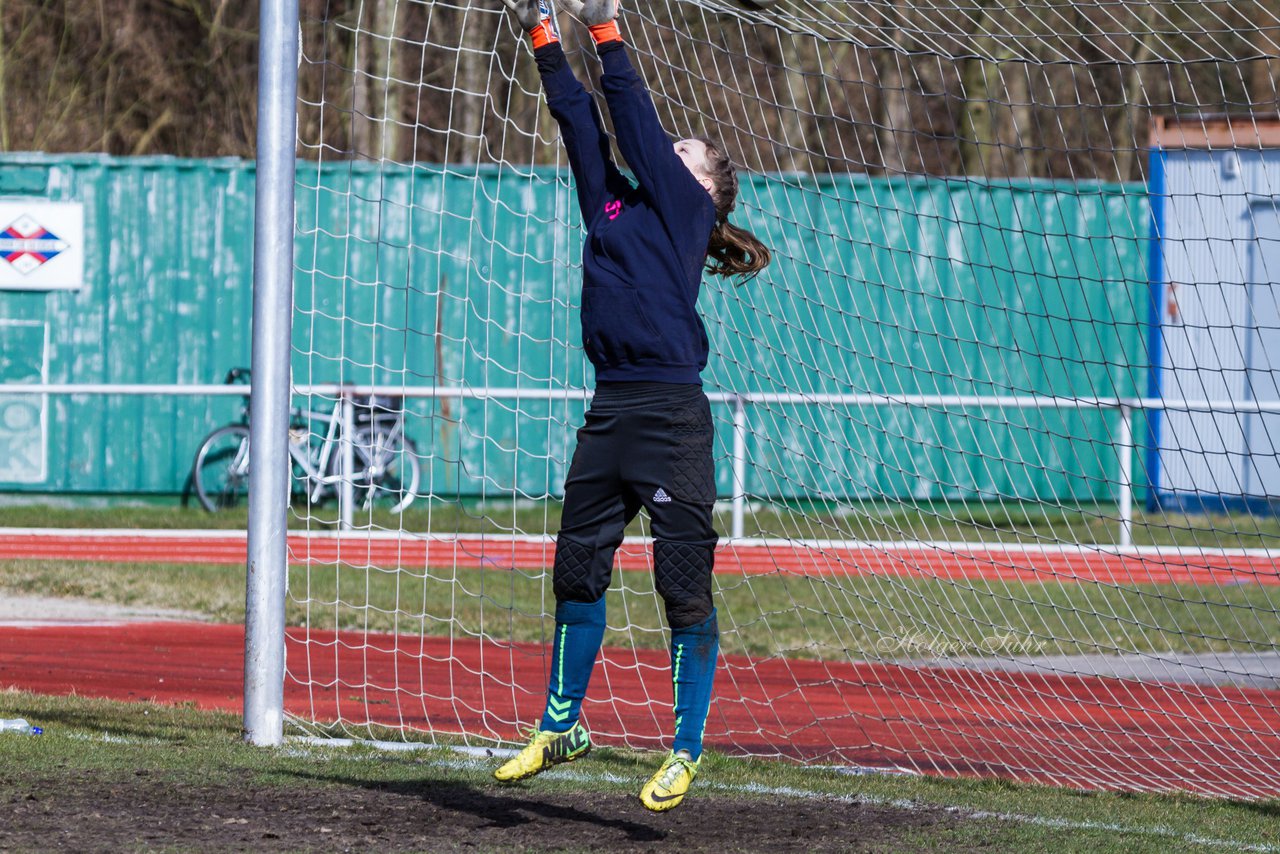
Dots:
pixel 693 668
pixel 579 631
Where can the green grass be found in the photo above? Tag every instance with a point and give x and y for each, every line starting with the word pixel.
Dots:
pixel 94 743
pixel 140 754
pixel 820 617
pixel 971 521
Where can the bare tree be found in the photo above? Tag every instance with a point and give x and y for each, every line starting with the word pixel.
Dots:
pixel 1000 88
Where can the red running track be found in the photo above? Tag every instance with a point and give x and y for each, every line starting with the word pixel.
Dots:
pixel 1068 730
pixel 946 561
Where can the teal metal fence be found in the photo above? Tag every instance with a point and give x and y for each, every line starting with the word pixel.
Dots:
pixel 429 277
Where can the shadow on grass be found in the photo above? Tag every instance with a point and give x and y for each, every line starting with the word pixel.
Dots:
pixel 1266 809
pixel 502 811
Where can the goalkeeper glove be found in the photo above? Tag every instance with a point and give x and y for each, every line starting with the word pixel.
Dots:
pixel 600 16
pixel 537 18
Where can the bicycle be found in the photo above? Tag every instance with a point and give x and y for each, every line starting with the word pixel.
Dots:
pixel 385 463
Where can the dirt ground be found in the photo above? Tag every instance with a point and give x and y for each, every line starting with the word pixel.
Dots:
pixel 147 814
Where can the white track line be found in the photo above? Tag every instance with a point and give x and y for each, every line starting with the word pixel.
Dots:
pixel 955 546
pixel 475 760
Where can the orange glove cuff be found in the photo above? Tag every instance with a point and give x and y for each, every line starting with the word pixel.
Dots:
pixel 607 32
pixel 543 35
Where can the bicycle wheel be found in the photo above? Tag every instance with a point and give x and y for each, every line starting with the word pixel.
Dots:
pixel 221 468
pixel 387 469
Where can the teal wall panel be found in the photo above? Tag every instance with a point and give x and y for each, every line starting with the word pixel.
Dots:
pixel 426 276
pixel 937 287
pixel 166 300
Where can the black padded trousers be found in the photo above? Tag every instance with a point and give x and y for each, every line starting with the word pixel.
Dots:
pixel 642 445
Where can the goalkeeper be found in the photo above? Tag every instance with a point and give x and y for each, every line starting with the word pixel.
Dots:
pixel 647 440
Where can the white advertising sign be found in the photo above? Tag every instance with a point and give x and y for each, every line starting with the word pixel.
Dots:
pixel 41 245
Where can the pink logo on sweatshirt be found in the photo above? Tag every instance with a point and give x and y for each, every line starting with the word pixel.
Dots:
pixel 613 209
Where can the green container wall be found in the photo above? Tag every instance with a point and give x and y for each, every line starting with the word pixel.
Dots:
pixel 429 277
pixel 167 300
pixel 928 286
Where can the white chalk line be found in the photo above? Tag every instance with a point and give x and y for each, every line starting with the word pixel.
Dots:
pixel 474 759
pixel 958 547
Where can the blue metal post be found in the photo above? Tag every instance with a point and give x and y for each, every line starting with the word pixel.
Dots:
pixel 1155 319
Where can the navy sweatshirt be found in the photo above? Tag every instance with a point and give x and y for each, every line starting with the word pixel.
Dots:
pixel 646 245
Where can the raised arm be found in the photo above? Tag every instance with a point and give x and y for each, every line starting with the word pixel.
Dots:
pixel 595 175
pixel 650 153
pixel 647 148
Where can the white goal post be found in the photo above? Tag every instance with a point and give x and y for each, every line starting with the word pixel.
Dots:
pixel 266 572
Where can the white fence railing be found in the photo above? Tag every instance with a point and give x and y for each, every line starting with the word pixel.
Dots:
pixel 741 403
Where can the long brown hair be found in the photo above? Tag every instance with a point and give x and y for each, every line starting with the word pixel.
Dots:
pixel 732 251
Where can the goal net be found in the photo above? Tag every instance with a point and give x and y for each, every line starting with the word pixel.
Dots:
pixel 995 431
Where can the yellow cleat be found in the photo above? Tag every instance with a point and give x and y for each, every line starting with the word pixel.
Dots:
pixel 545 749
pixel 666 789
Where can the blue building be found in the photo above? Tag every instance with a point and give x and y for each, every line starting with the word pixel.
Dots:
pixel 1215 331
